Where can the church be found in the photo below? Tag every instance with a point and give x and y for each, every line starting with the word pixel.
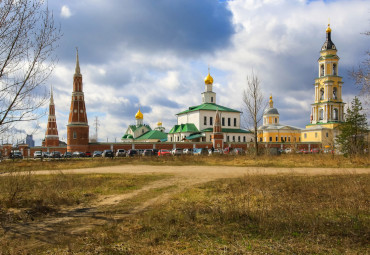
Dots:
pixel 196 123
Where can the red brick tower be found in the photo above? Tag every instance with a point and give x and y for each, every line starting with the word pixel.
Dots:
pixel 51 134
pixel 77 128
pixel 217 136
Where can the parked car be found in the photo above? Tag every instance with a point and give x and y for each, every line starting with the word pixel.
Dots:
pixel 132 153
pixel 150 152
pixel 67 154
pixel 107 154
pixel 288 150
pixel 37 154
pixel 121 153
pixel 55 154
pixel 228 150
pixel 176 152
pixel 16 154
pixel 88 154
pixel 215 152
pixel 164 152
pixel 188 151
pixel 315 150
pixel 97 154
pixel 238 151
pixel 78 154
pixel 200 151
pixel 46 154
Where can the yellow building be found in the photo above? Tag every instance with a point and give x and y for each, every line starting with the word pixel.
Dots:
pixel 327 112
pixel 272 131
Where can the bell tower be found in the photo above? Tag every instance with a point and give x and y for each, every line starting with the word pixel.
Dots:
pixel 218 136
pixel 328 108
pixel 208 96
pixel 51 135
pixel 77 128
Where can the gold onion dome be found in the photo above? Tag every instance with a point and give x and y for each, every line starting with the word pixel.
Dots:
pixel 328 30
pixel 159 123
pixel 139 115
pixel 208 79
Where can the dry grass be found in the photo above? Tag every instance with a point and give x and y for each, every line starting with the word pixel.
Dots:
pixel 285 160
pixel 251 215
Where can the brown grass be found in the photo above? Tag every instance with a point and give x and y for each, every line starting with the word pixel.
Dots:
pixel 252 215
pixel 285 160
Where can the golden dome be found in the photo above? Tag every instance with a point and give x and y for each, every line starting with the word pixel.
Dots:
pixel 139 115
pixel 208 79
pixel 159 124
pixel 328 30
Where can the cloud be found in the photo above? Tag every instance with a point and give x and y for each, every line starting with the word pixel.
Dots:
pixel 65 12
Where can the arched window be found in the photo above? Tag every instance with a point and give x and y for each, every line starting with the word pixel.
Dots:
pixel 334 93
pixel 322 94
pixel 321 114
pixel 334 69
pixel 275 120
pixel 322 70
pixel 335 114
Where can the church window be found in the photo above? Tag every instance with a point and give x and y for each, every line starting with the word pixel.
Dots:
pixel 205 120
pixel 239 139
pixel 234 122
pixel 233 138
pixel 327 134
pixel 334 69
pixel 74 135
pixel 142 131
pixel 229 121
pixel 322 94
pixel 299 139
pixel 276 139
pixel 322 70
pixel 275 120
pixel 289 139
pixel 211 99
pixel 210 121
pixel 228 138
pixel 335 114
pixel 270 138
pixel 178 138
pixel 315 134
pixel 321 114
pixel 261 139
pixel 334 93
pixel 244 139
pixel 282 139
pixel 171 139
pixel 223 121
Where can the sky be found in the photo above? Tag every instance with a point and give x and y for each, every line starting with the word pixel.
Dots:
pixel 154 55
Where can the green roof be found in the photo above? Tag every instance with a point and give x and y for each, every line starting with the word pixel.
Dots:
pixel 153 134
pixel 134 127
pixel 188 127
pixel 193 136
pixel 229 130
pixel 208 107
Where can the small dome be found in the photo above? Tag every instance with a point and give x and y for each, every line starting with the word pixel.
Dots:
pixel 159 123
pixel 139 115
pixel 130 136
pixel 328 30
pixel 271 111
pixel 208 79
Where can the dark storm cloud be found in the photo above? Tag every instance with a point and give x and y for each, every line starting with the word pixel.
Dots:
pixel 104 29
pixel 163 101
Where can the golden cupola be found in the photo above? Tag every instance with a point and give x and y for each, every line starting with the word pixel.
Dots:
pixel 328 30
pixel 139 115
pixel 159 123
pixel 208 79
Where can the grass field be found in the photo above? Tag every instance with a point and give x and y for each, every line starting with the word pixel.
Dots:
pixel 254 214
pixel 285 160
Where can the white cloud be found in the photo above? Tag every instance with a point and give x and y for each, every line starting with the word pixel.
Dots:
pixel 65 12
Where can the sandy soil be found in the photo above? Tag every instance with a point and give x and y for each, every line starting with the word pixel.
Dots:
pixel 48 230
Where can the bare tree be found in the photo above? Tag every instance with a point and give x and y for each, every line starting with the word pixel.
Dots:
pixel 253 103
pixel 28 38
pixel 362 76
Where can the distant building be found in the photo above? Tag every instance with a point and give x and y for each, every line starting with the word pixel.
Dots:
pixel 29 141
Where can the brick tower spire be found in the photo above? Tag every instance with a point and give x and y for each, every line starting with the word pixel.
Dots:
pixel 217 137
pixel 51 134
pixel 77 128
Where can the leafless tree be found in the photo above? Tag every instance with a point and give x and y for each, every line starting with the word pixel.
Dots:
pixel 362 76
pixel 253 103
pixel 28 38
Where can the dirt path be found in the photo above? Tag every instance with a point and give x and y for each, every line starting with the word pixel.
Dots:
pixel 183 177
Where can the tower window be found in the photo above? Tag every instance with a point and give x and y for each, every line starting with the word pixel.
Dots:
pixel 211 99
pixel 270 138
pixel 223 121
pixel 234 122
pixel 74 135
pixel 205 120
pixel 229 121
pixel 335 114
pixel 239 139
pixel 233 138
pixel 334 93
pixel 334 69
pixel 327 134
pixel 321 114
pixel 322 70
pixel 244 139
pixel 210 121
pixel 321 94
pixel 275 120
